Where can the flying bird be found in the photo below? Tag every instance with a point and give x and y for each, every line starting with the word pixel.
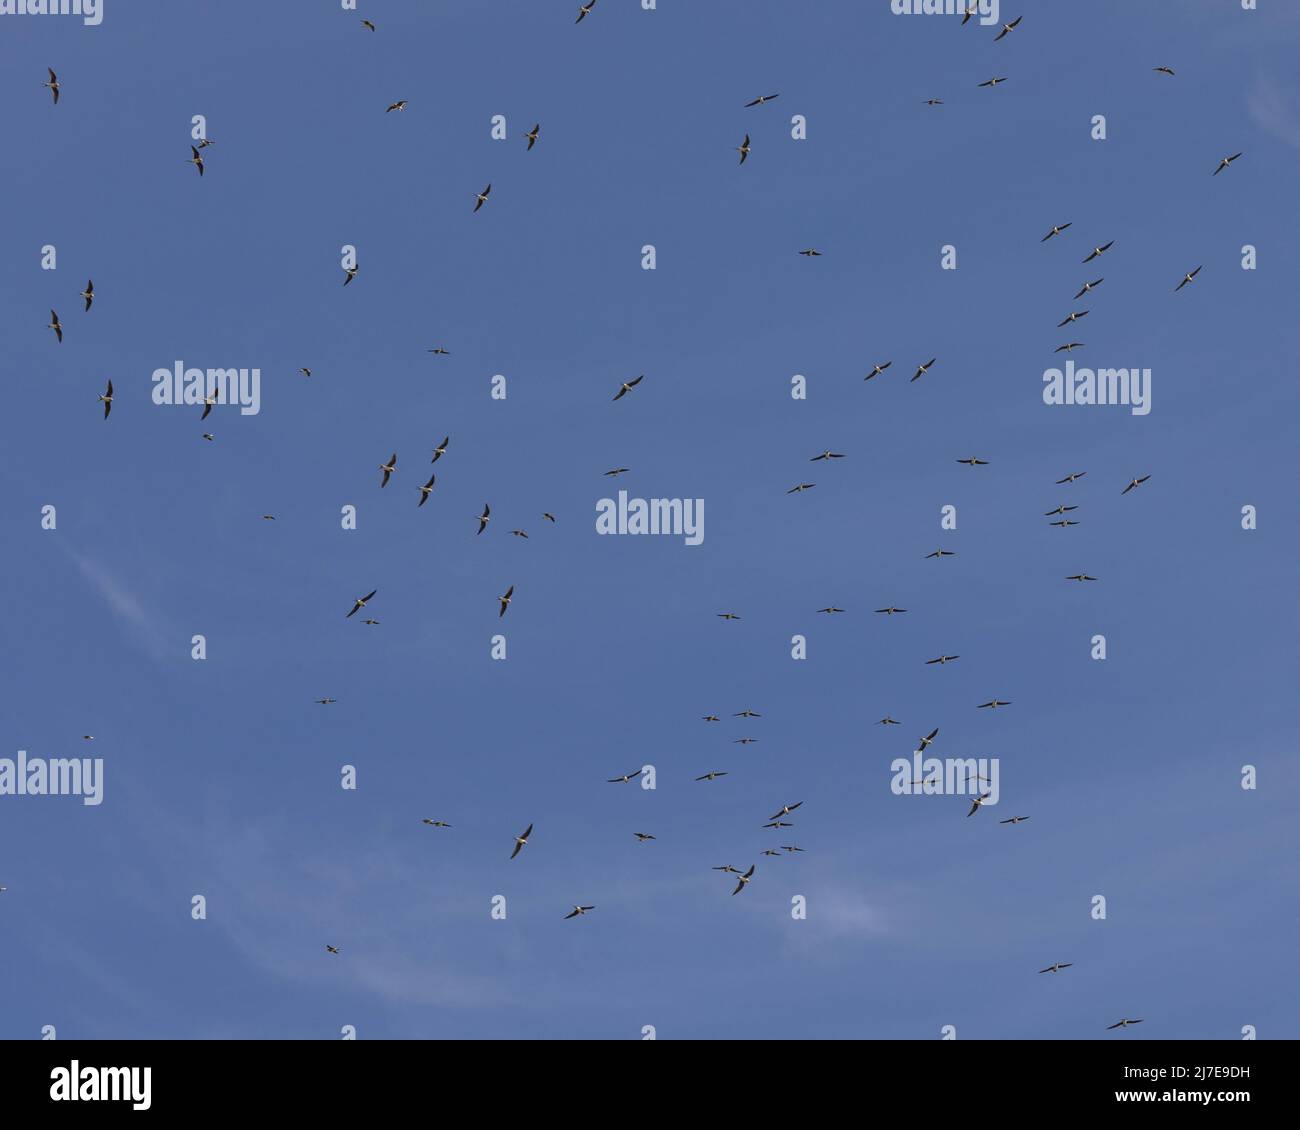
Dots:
pixel 994 704
pixel 360 603
pixel 107 399
pixel 577 910
pixel 1122 1024
pixel 628 386
pixel 1062 509
pixel 643 836
pixel 505 601
pixel 623 780
pixel 744 880
pixel 830 609
pixel 921 370
pixel 1186 279
pixel 332 949
pixel 1056 230
pixel 1064 522
pixel 1162 70
pixel 305 372
pixel 800 488
pixel 712 776
pixel 326 701
pixel 747 714
pixel 398 106
pixel 1096 251
pixel 1135 483
pixel 435 823
pixel 1068 347
pixel 972 10
pixel 728 616
pixel 53 84
pixel 941 660
pixel 941 553
pixel 1057 967
pixel 196 160
pixel 1073 318
pixel 786 809
pixel 208 401
pixel 55 325
pixel 888 721
pixel 994 81
pixel 825 456
pixel 426 490
pixel 934 102
pixel 1081 577
pixel 388 469
pixel 1007 29
pixel 582 11
pixel 368 24
pixel 977 803
pixel 532 136
pixel 743 149
pixel 1088 286
pixel 711 718
pixel 811 252
pixel 973 462
pixel 480 198
pixel 349 273
pixel 549 517
pixel 520 534
pixel 1071 477
pixel 89 293
pixel 521 840
pixel 761 99
pixel 891 610
pixel 1225 163
pixel 1014 820
pixel 925 741
pixel 614 474
pixel 877 370
pixel 440 450
pixel 440 351
pixel 484 518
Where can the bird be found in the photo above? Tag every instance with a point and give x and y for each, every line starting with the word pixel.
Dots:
pixel 89 293
pixel 770 851
pixel 368 24
pixel 388 468
pixel 628 386
pixel 1122 1024
pixel 779 824
pixel 747 714
pixel 711 718
pixel 800 488
pixel 372 623
pixel 1081 577
pixel 994 704
pixel 435 823
pixel 1088 286
pixel 791 848
pixel 977 803
pixel 877 370
pixel 786 809
pixel 941 553
pixel 712 775
pixel 972 10
pixel 549 517
pixel 1056 230
pixel 1057 967
pixel 349 273
pixel 55 325
pixel 934 102
pixel 1135 483
pixel 426 490
pixel 921 370
pixel 1071 477
pixel 305 372
pixel 743 149
pixel 1007 29
pixel 107 399
pixel 360 603
pixel 204 142
pixel 484 518
pixel 1062 509
pixel 440 351
pixel 505 601
pixel 891 610
pixel 268 517
pixel 332 949
pixel 623 780
pixel 325 701
pixel 811 253
pixel 941 660
pixel 728 616
pixel 577 910
pixel 1064 522
pixel 728 869
pixel 1072 345
pixel 584 9
pixel 1162 70
pixel 973 462
pixel 53 84
pixel 643 836
pixel 826 456
pixel 830 609
pixel 614 474
pixel 994 81
pixel 520 534
pixel 521 840
pixel 1186 279
pixel 440 450
pixel 744 741
pixel 761 99
pixel 398 106
pixel 209 401
pixel 1096 251
pixel 480 198
pixel 196 160
pixel 744 880
pixel 532 136
pixel 925 741
pixel 1073 318
pixel 1014 820
pixel 1225 163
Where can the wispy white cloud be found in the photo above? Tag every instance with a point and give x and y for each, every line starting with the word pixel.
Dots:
pixel 144 628
pixel 1275 109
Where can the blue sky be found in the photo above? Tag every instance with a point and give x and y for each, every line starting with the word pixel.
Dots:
pixel 222 776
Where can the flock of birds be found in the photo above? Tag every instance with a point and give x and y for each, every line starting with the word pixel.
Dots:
pixel 776 821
